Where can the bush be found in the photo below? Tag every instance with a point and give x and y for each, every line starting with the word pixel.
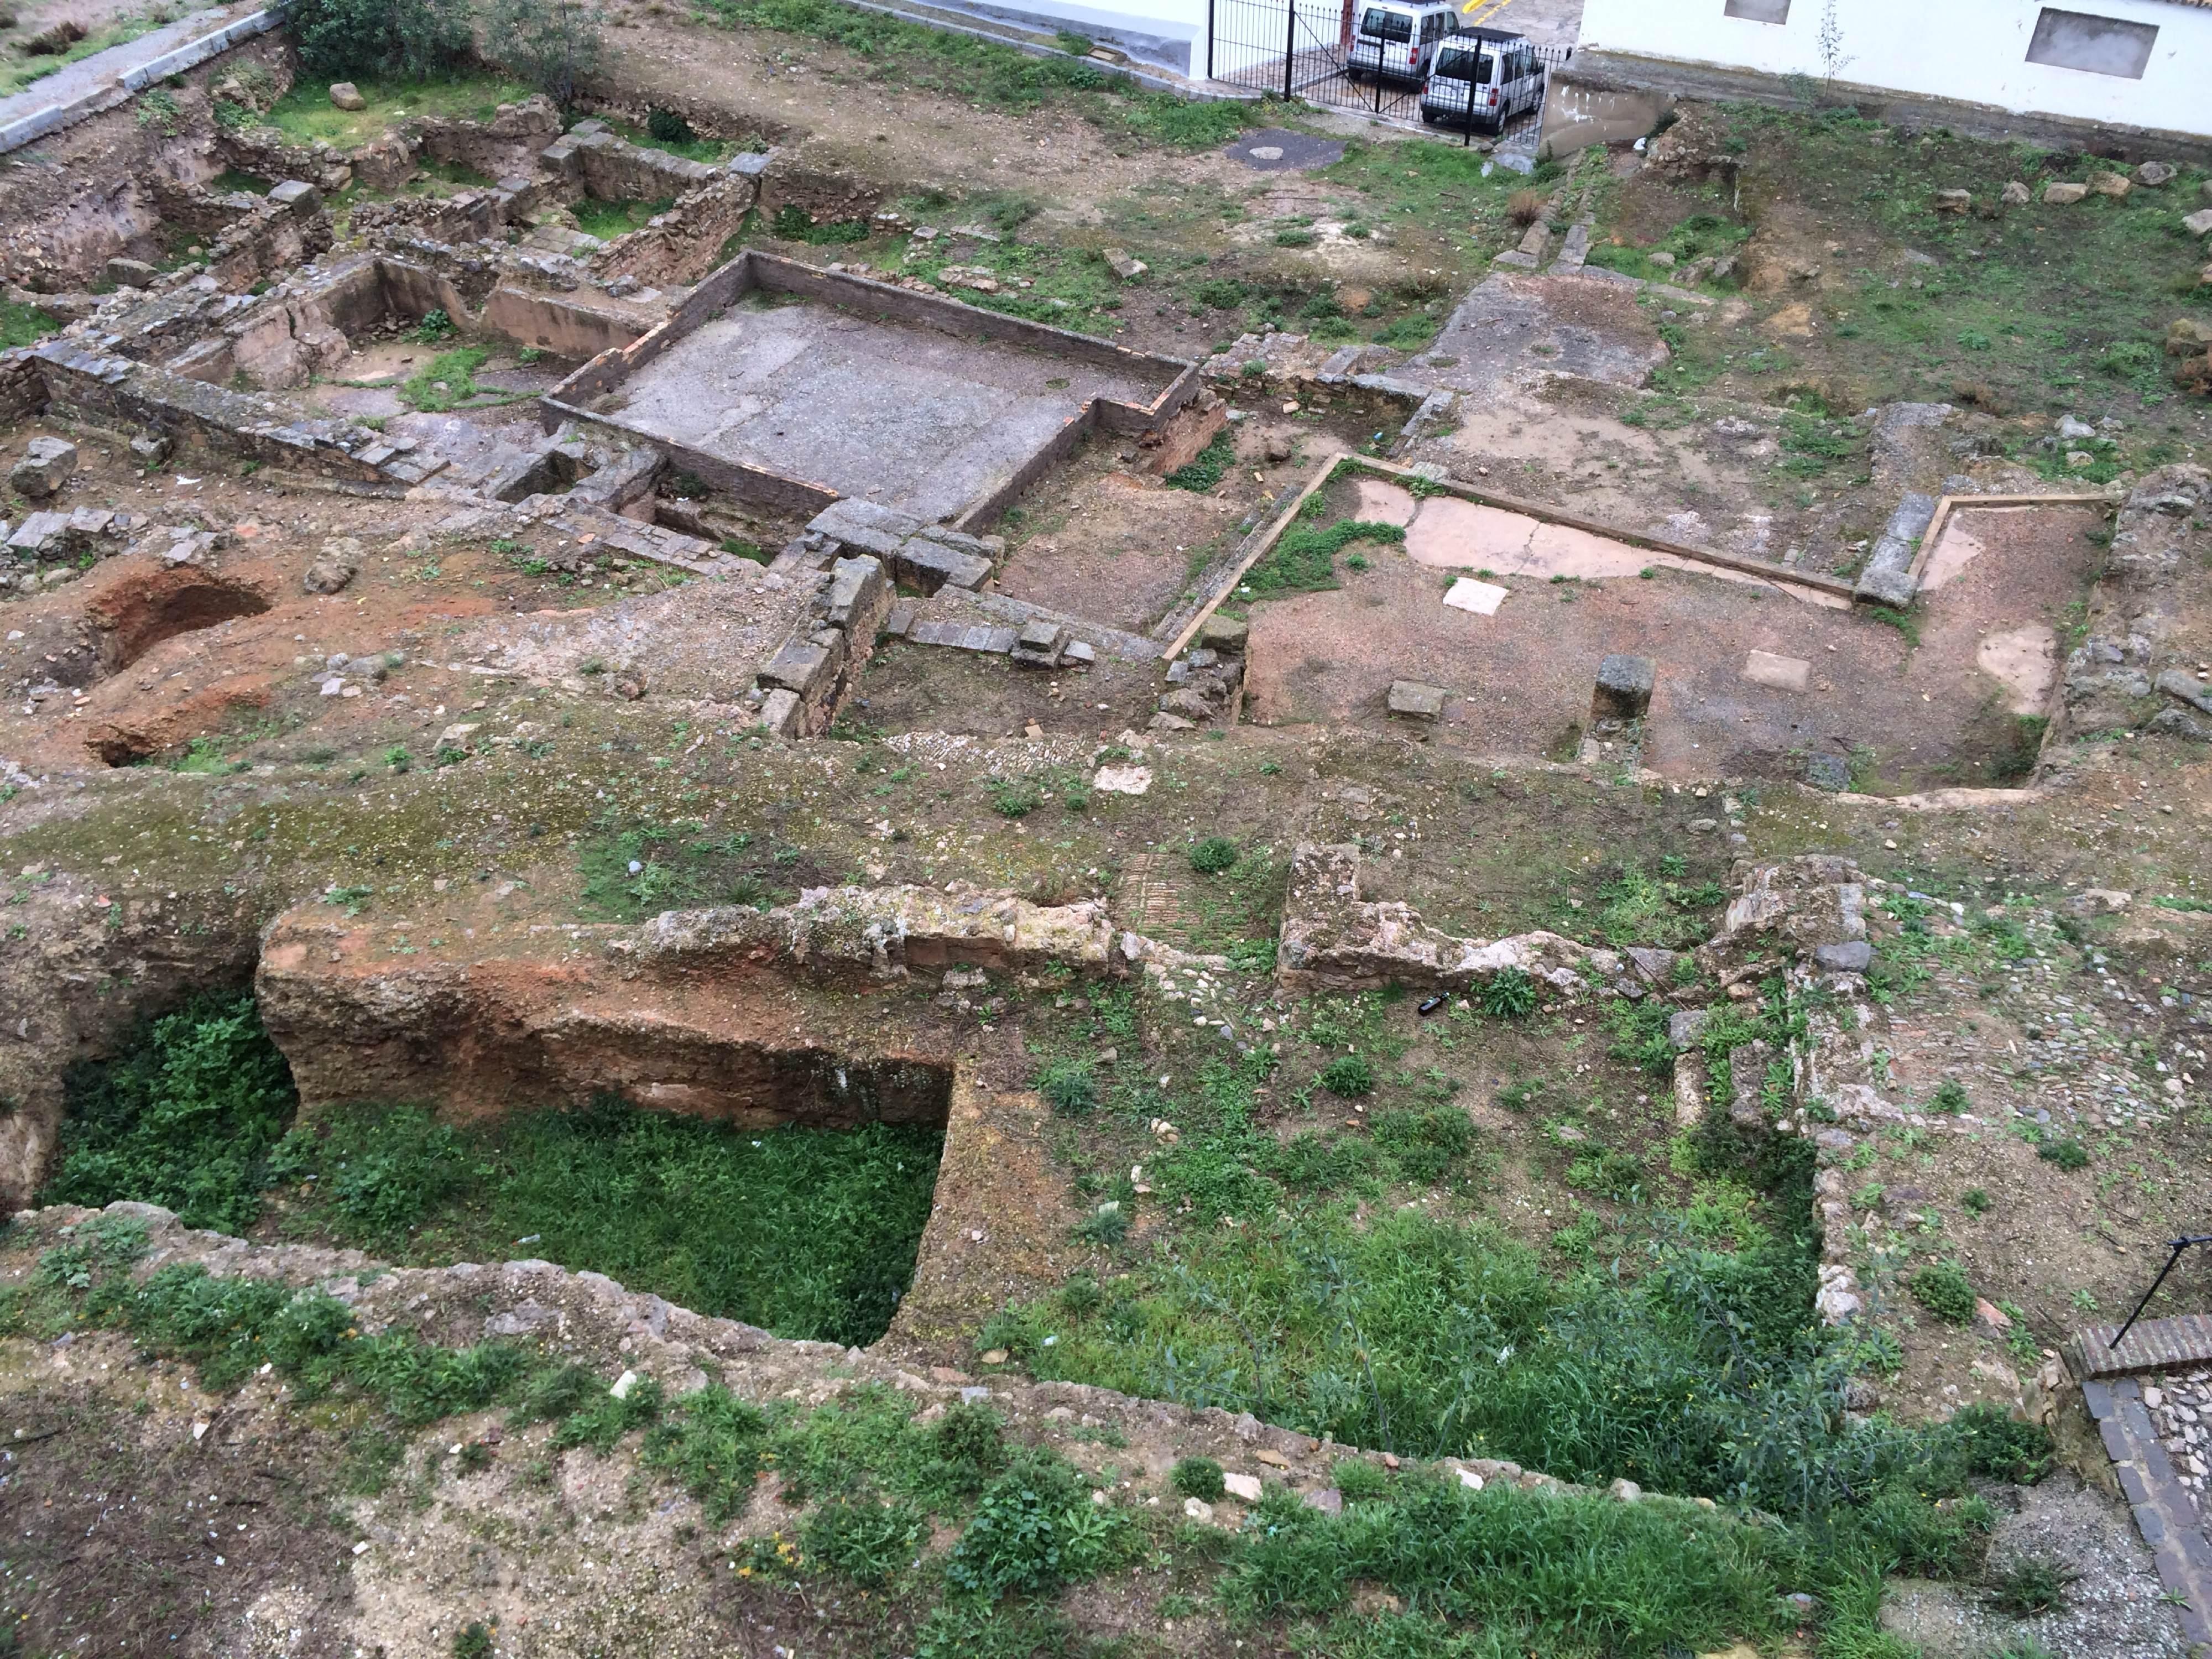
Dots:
pixel 1949 1098
pixel 1014 798
pixel 1942 1288
pixel 667 127
pixel 1348 1077
pixel 380 39
pixel 1510 995
pixel 1069 1085
pixel 1021 1535
pixel 2066 1154
pixel 186 1116
pixel 1212 855
pixel 2001 1446
pixel 551 44
pixel 1198 1478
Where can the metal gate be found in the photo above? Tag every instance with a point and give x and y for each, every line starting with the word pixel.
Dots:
pixel 1301 49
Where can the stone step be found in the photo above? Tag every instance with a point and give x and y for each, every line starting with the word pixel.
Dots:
pixel 2154 1345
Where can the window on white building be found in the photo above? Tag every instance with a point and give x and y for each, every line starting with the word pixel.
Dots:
pixel 1760 11
pixel 2101 45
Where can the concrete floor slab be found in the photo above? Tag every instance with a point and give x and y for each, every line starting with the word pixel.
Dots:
pixel 918 420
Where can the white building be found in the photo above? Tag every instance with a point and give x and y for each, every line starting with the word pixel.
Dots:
pixel 2134 72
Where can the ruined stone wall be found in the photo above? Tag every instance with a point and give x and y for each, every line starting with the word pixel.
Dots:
pixel 22 391
pixel 2134 670
pixel 75 200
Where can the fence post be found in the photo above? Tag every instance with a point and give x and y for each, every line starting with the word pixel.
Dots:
pixel 1209 39
pixel 1289 44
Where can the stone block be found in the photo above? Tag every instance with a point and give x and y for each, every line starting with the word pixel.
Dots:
pixel 865 526
pixel 297 195
pixel 1037 644
pixel 1417 702
pixel 2064 195
pixel 347 96
pixel 151 449
pixel 856 589
pixel 129 273
pixel 1955 201
pixel 1854 957
pixel 2199 224
pixel 39 534
pixel 1887 578
pixel 900 621
pixel 780 713
pixel 2152 175
pixel 1828 772
pixel 748 164
pixel 1623 690
pixel 2113 185
pixel 2017 194
pixel 800 666
pixel 1224 633
pixel 929 563
pixel 46 466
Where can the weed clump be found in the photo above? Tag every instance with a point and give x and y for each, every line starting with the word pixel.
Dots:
pixel 1943 1289
pixel 1198 1478
pixel 2066 1154
pixel 188 1117
pixel 1214 856
pixel 1348 1077
pixel 1070 1086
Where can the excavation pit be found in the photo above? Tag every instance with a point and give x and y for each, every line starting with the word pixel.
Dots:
pixel 1757 675
pixel 792 386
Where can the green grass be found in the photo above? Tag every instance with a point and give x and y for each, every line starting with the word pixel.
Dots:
pixel 185 1116
pixel 2041 309
pixel 22 326
pixel 805 1232
pixel 305 113
pixel 992 77
pixel 608 220
pixel 1304 557
pixel 447 381
pixel 685 868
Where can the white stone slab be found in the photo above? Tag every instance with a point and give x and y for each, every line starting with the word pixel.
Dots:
pixel 1481 598
pixel 1782 673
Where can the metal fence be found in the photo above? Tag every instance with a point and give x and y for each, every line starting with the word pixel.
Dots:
pixel 1301 49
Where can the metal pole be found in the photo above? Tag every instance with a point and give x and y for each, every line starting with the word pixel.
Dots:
pixel 1289 44
pixel 2177 1247
pixel 1209 39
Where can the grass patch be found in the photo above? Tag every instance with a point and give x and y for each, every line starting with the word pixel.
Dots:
pixel 1304 557
pixel 185 1116
pixel 305 113
pixel 633 870
pixel 22 326
pixel 805 1232
pixel 1208 467
pixel 608 220
pixel 447 381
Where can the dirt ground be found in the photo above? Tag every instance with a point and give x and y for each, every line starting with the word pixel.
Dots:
pixel 1752 678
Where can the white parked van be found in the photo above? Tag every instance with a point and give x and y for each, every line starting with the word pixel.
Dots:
pixel 1397 39
pixel 1485 78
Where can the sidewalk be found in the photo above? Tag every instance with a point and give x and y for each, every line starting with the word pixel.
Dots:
pixel 106 79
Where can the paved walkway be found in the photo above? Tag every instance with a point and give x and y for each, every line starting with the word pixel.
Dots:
pixel 2164 1512
pixel 107 77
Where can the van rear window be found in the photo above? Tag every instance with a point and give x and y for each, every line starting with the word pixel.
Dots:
pixel 1477 67
pixel 1380 25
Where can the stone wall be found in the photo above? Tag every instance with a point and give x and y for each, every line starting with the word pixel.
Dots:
pixel 82 197
pixel 2134 670
pixel 1334 940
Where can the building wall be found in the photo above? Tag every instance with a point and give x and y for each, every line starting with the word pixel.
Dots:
pixel 1974 51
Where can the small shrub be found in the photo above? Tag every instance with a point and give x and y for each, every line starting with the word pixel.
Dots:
pixel 970 1445
pixel 1525 207
pixel 1107 1224
pixel 1361 1481
pixel 2030 1587
pixel 1510 995
pixel 866 1541
pixel 1069 1087
pixel 1024 1525
pixel 472 1641
pixel 1212 855
pixel 1206 468
pixel 1198 1478
pixel 1348 1077
pixel 1943 1289
pixel 667 127
pixel 1014 798
pixel 2001 1446
pixel 1949 1098
pixel 1975 1200
pixel 2066 1154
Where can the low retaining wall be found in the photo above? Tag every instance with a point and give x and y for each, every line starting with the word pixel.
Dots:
pixel 55 118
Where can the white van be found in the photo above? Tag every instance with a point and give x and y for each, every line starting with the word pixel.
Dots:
pixel 1493 73
pixel 1397 40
